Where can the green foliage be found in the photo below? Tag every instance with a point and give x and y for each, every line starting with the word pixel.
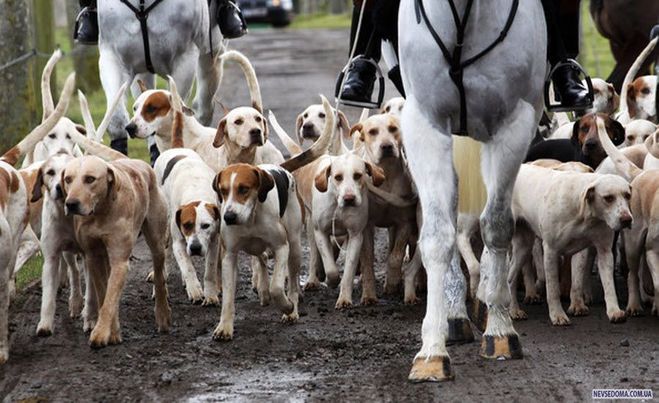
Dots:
pixel 321 21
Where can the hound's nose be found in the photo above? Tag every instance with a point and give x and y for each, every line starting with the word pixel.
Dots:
pixel 230 218
pixel 387 150
pixel 73 206
pixel 255 136
pixel 626 221
pixel 195 249
pixel 349 200
pixel 131 129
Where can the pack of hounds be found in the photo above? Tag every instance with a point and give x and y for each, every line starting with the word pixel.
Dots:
pixel 585 199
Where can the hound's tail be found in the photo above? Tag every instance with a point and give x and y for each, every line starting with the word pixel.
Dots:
pixel 93 133
pixel 625 167
pixel 624 107
pixel 250 75
pixel 292 147
pixel 15 153
pixel 86 142
pixel 318 148
pixel 46 95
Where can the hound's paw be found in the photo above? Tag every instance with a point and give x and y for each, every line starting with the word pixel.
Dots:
pixel 290 318
pixel 75 307
pixel 210 300
pixel 195 294
pixel 655 310
pixel 588 297
pixel 312 285
pixel 368 300
pixel 343 303
pixel 431 369
pixel 100 337
pixel 149 277
pixel 223 332
pixel 560 319
pixel 264 298
pixel 332 280
pixel 44 330
pixel 163 318
pixel 4 356
pixel 411 300
pixel 617 316
pixel 634 310
pixel 578 310
pixel 88 325
pixel 391 288
pixel 533 299
pixel 518 314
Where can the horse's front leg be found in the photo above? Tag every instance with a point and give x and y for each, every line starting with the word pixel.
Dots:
pixel 431 165
pixel 113 76
pixel 501 158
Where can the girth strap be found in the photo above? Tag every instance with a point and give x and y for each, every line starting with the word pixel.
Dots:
pixel 142 14
pixel 454 60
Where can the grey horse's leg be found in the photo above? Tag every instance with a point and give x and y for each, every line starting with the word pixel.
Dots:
pixel 112 78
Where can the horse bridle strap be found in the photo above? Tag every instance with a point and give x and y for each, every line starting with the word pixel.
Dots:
pixel 456 71
pixel 142 14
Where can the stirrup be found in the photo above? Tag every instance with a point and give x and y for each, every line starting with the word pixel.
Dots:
pixel 339 86
pixel 558 107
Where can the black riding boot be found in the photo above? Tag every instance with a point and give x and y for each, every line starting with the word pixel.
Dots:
pixel 230 19
pixel 86 28
pixel 359 82
pixel 569 90
pixel 120 145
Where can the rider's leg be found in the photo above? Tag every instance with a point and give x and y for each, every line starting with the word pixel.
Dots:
pixel 230 19
pixel 567 86
pixel 86 29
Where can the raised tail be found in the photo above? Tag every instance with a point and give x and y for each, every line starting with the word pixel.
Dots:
pixel 87 142
pixel 625 167
pixel 46 95
pixel 292 147
pixel 624 117
pixel 27 144
pixel 318 148
pixel 250 76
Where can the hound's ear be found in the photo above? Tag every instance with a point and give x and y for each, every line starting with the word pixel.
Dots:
pixel 631 100
pixel 81 129
pixel 575 133
pixel 343 123
pixel 220 133
pixel 321 179
pixel 617 132
pixel 141 86
pixel 113 187
pixel 298 126
pixel 266 129
pixel 178 218
pixel 61 184
pixel 357 128
pixel 376 173
pixel 216 186
pixel 266 183
pixel 214 211
pixel 187 111
pixel 587 197
pixel 38 184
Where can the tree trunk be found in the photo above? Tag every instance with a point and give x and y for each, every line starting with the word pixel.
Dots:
pixel 17 112
pixel 85 57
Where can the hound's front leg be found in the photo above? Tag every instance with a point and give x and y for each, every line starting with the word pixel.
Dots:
pixel 224 330
pixel 605 268
pixel 578 262
pixel 278 282
pixel 49 284
pixel 355 240
pixel 367 262
pixel 5 274
pixel 325 249
pixel 211 282
pixel 75 287
pixel 188 272
pixel 106 330
pixel 556 312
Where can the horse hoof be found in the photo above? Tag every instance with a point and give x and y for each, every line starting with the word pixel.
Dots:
pixel 478 314
pixel 501 347
pixel 431 369
pixel 459 331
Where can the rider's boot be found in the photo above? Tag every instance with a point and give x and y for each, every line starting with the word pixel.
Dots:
pixel 230 20
pixel 568 88
pixel 359 82
pixel 86 28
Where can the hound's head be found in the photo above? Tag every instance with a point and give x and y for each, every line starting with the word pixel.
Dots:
pixel 240 187
pixel 380 136
pixel 346 178
pixel 641 98
pixel 606 99
pixel 394 106
pixel 153 115
pixel 584 136
pixel 637 131
pixel 49 177
pixel 607 198
pixel 59 140
pixel 87 184
pixel 244 127
pixel 309 124
pixel 198 222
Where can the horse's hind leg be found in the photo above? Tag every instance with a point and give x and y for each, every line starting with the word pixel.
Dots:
pixel 433 172
pixel 502 156
pixel 455 286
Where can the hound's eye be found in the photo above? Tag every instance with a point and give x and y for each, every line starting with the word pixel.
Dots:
pixel 630 138
pixel 645 137
pixel 392 129
pixel 50 172
pixel 585 129
pixel 89 179
pixel 52 135
pixel 258 119
pixel 627 196
pixel 357 176
pixel 596 91
pixel 306 115
pixel 321 115
pixel 134 108
pixel 188 226
pixel 373 132
pixel 238 122
pixel 68 137
pixel 205 226
pixel 338 177
pixel 387 109
pixel 609 198
pixel 242 190
pixel 149 109
pixel 68 179
pixel 645 90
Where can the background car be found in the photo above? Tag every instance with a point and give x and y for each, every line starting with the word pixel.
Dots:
pixel 279 13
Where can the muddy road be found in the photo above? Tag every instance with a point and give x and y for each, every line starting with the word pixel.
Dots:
pixel 363 354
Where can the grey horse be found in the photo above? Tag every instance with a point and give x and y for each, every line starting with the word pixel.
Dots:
pixel 179 46
pixel 504 102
